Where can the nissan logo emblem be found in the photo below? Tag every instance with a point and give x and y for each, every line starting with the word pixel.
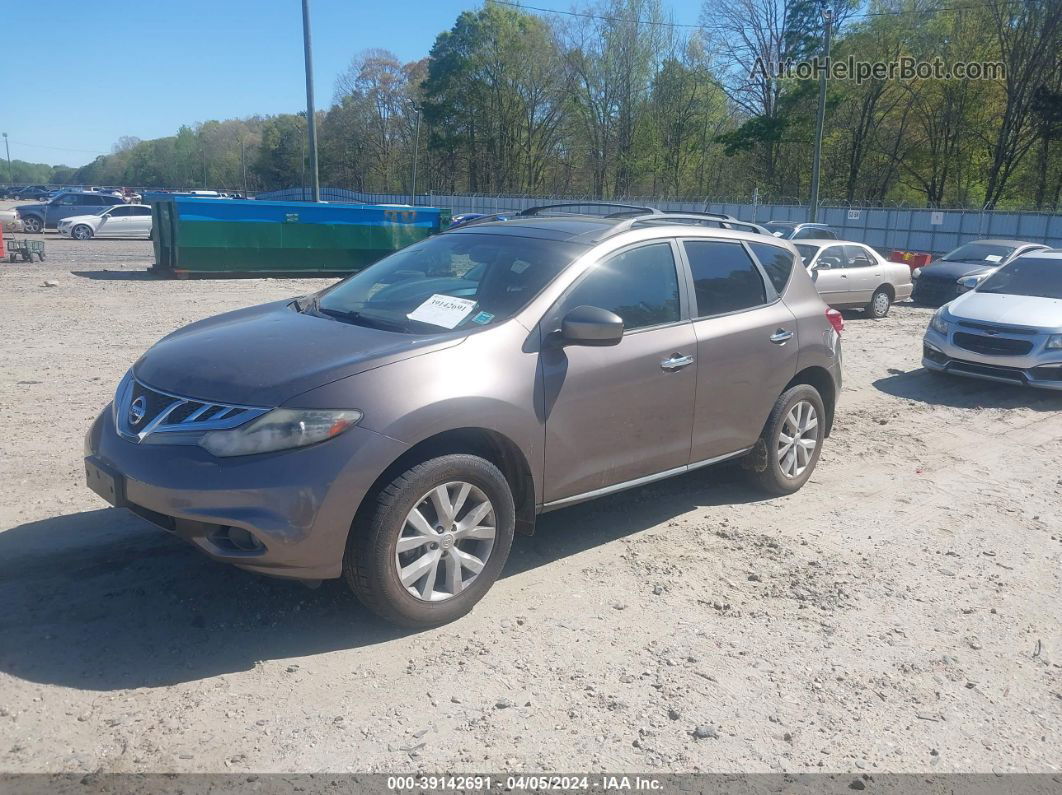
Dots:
pixel 136 410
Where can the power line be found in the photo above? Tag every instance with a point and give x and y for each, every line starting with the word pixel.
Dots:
pixel 59 148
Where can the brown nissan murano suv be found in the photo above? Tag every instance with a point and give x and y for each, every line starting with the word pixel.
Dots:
pixel 397 428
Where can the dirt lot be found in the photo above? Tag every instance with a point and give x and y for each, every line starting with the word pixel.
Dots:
pixel 901 613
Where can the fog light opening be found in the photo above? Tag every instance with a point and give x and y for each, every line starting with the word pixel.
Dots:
pixel 237 539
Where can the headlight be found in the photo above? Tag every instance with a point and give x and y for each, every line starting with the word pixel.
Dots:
pixel 280 429
pixel 1054 342
pixel 939 322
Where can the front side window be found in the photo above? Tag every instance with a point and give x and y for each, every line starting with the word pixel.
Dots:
pixel 725 279
pixel 456 280
pixel 119 211
pixel 832 258
pixel 777 262
pixel 640 285
pixel 67 199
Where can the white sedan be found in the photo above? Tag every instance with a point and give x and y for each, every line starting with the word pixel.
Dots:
pixel 850 275
pixel 119 220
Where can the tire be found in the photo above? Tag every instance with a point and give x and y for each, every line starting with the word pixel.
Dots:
pixel 773 472
pixel 32 224
pixel 372 563
pixel 879 305
pixel 81 232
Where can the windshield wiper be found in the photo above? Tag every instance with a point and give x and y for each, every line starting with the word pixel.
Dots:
pixel 357 318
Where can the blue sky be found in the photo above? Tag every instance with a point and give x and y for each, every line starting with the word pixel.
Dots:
pixel 95 71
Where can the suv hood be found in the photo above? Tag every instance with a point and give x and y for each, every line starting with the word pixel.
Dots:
pixel 265 355
pixel 1014 310
pixel 27 208
pixel 955 270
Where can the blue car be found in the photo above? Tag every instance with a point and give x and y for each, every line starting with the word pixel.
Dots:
pixel 46 215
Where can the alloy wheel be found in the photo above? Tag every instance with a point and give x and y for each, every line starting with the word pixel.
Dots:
pixel 797 439
pixel 445 541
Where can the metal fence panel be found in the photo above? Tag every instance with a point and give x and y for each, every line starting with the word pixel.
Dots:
pixel 884 228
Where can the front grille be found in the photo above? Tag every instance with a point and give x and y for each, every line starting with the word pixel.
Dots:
pixel 142 411
pixel 997 329
pixel 988 370
pixel 992 346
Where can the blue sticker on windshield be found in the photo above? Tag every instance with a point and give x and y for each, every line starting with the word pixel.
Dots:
pixel 483 318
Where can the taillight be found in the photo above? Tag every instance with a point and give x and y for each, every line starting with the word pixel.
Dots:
pixel 835 320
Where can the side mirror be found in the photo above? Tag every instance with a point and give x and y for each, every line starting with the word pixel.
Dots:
pixel 591 326
pixel 822 265
pixel 969 282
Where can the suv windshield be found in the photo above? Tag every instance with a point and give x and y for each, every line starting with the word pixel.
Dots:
pixel 978 252
pixel 780 230
pixel 1040 278
pixel 449 281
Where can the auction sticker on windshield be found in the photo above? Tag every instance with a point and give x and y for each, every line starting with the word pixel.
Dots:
pixel 443 310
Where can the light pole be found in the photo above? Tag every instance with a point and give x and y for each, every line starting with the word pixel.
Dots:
pixel 10 171
pixel 816 165
pixel 416 152
pixel 311 116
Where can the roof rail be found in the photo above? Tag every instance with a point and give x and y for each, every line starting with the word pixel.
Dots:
pixel 705 219
pixel 542 209
pixel 696 213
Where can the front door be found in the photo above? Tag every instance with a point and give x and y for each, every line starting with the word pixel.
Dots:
pixel 830 274
pixel 624 412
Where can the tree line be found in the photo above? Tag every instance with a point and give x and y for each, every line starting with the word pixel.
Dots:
pixel 617 100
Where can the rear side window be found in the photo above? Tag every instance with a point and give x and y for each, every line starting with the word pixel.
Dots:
pixel 858 257
pixel 725 279
pixel 776 261
pixel 639 285
pixel 141 211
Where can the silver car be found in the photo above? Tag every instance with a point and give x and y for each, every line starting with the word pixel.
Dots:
pixel 397 428
pixel 1006 328
pixel 850 275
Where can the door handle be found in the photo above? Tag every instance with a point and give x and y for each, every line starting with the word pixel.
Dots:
pixel 676 362
pixel 781 337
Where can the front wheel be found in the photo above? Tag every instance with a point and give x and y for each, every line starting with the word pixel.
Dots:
pixel 433 541
pixel 32 224
pixel 788 449
pixel 879 304
pixel 81 232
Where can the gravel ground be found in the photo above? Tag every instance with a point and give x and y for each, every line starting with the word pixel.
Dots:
pixel 900 613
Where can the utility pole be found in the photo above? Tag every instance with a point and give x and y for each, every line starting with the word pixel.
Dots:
pixel 311 115
pixel 416 152
pixel 10 171
pixel 816 165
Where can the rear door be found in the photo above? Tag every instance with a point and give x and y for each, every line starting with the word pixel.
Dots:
pixel 746 341
pixel 140 221
pixel 864 273
pixel 619 413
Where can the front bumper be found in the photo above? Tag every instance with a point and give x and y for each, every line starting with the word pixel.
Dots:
pixel 1038 368
pixel 297 504
pixel 935 292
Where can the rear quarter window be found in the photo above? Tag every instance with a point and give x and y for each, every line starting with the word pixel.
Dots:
pixel 776 261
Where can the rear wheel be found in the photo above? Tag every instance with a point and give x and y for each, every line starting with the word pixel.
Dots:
pixel 788 450
pixel 879 304
pixel 32 224
pixel 81 232
pixel 433 542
